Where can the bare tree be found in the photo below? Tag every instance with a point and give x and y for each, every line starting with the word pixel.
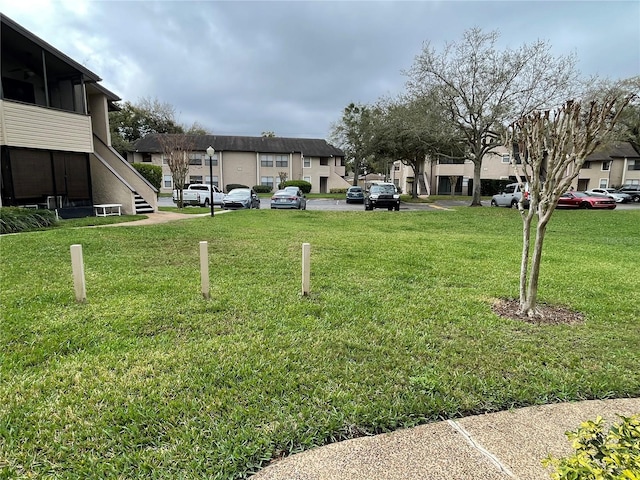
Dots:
pixel 482 88
pixel 282 176
pixel 176 148
pixel 552 146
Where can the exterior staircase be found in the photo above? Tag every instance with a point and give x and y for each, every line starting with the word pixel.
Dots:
pixel 142 206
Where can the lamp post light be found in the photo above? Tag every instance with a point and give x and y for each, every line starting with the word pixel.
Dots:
pixel 211 152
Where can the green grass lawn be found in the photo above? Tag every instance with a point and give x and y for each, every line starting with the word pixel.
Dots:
pixel 149 380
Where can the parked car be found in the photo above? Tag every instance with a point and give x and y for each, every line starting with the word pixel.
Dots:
pixel 510 196
pixel 199 194
pixel 584 200
pixel 241 198
pixel 290 197
pixel 633 191
pixel 355 195
pixel 610 192
pixel 382 195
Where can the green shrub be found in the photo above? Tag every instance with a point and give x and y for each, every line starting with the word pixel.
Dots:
pixel 14 219
pixel 262 188
pixel 600 456
pixel 231 186
pixel 152 173
pixel 301 184
pixel 338 190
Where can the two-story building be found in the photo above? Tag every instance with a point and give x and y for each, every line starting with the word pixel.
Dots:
pixel 55 143
pixel 251 161
pixel 613 165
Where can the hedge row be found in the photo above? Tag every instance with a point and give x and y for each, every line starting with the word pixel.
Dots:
pixel 15 220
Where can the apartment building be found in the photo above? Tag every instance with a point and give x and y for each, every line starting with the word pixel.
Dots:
pixel 251 161
pixel 55 144
pixel 613 165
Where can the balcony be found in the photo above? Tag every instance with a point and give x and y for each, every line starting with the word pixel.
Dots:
pixel 32 126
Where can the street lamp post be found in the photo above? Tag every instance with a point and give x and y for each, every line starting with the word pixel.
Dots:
pixel 211 152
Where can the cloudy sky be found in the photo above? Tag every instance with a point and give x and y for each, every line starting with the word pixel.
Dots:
pixel 244 67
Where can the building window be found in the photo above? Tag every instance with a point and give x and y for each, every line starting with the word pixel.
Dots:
pixel 266 160
pixel 634 165
pixel 307 179
pixel 306 162
pixel 195 159
pixel 165 161
pixel 506 158
pixel 604 182
pixel 282 160
pixel 195 179
pixel 214 158
pixel 207 180
pixel 586 164
pixel 606 165
pixel 451 161
pixel 168 181
pixel 268 181
pixel 324 161
pixel 396 167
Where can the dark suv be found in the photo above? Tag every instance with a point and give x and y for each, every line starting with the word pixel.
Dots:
pixel 382 195
pixel 633 191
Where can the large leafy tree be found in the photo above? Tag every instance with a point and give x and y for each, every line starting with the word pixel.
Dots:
pixel 552 146
pixel 353 135
pixel 482 87
pixel 410 130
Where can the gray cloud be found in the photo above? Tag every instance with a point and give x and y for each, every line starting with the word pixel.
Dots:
pixel 291 67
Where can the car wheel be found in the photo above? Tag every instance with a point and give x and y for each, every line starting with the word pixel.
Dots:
pixel 397 208
pixel 494 203
pixel 585 205
pixel 636 199
pixel 206 202
pixel 514 203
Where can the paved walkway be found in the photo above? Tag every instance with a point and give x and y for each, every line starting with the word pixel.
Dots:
pixel 503 445
pixel 163 217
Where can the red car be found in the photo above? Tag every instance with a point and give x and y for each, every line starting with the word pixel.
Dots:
pixel 584 200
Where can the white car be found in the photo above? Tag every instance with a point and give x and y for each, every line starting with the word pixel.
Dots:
pixel 611 192
pixel 510 196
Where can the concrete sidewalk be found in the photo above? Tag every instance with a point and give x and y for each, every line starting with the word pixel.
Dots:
pixel 503 445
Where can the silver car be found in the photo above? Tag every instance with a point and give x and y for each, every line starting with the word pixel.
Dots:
pixel 290 197
pixel 619 197
pixel 240 198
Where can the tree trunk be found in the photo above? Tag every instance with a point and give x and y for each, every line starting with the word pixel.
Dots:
pixel 477 186
pixel 531 299
pixel 526 240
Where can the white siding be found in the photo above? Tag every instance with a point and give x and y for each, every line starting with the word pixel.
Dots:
pixel 36 127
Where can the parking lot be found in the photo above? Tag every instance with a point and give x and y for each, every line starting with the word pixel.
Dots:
pixel 331 204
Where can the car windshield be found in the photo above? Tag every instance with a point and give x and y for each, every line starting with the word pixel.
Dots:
pixel 284 193
pixel 580 194
pixel 239 192
pixel 383 189
pixel 355 190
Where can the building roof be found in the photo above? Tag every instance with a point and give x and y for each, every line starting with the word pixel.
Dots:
pixel 311 147
pixel 614 150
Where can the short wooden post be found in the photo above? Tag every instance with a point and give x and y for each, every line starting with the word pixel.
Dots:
pixel 77 265
pixel 204 269
pixel 306 270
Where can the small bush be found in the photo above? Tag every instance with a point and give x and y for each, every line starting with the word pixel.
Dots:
pixel 338 190
pixel 262 188
pixel 614 455
pixel 301 184
pixel 231 186
pixel 14 219
pixel 152 173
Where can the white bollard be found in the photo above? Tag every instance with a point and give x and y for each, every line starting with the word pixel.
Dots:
pixel 306 270
pixel 77 265
pixel 204 269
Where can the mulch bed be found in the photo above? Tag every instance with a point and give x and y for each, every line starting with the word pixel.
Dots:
pixel 547 314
